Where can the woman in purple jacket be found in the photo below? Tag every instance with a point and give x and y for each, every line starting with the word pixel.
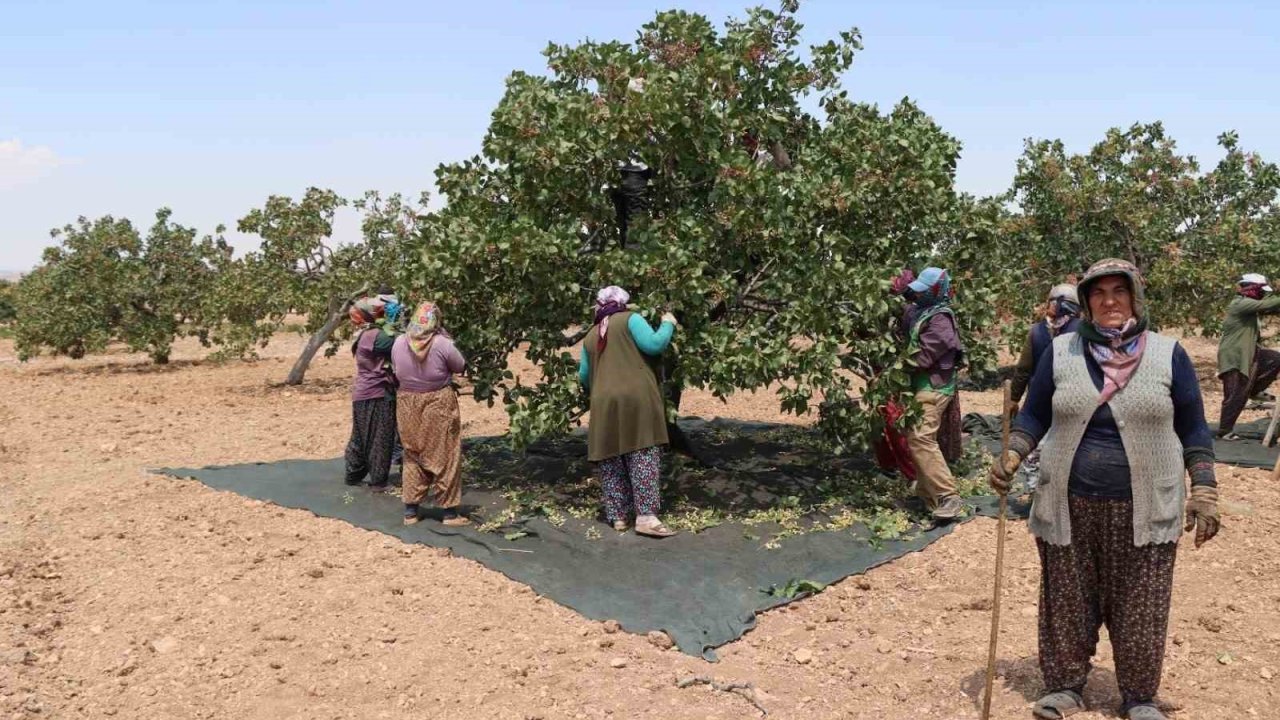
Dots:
pixel 373 399
pixel 425 361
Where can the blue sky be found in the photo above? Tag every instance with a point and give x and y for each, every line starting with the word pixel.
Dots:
pixel 122 107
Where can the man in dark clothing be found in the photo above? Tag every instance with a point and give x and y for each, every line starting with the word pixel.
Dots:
pixel 1244 366
pixel 632 195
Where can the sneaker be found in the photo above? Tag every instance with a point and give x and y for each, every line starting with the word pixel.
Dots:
pixel 950 508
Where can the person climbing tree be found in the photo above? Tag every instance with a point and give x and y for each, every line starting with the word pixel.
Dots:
pixel 631 195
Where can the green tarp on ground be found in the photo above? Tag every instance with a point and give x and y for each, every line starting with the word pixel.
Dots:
pixel 702 589
pixel 1245 452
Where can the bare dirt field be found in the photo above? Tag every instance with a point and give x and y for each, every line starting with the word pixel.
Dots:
pixel 128 595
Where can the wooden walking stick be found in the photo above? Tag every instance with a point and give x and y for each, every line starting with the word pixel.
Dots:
pixel 995 600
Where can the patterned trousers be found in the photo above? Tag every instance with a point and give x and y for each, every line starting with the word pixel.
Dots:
pixel 373 434
pixel 1102 578
pixel 431 428
pixel 630 483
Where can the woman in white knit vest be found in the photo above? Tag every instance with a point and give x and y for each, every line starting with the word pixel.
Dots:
pixel 1117 414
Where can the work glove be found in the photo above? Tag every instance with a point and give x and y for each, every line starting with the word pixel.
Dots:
pixel 668 317
pixel 1013 410
pixel 1202 513
pixel 1004 468
pixel 1002 471
pixel 899 284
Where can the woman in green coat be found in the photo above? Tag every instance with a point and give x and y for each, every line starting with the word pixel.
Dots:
pixel 628 425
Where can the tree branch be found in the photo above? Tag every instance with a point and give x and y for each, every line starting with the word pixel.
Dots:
pixel 574 339
pixel 745 690
pixel 753 282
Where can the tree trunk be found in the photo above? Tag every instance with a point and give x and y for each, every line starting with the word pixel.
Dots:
pixel 316 342
pixel 673 390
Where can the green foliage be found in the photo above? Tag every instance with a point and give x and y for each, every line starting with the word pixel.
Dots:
pixel 103 282
pixel 8 301
pixel 298 269
pixel 1134 196
pixel 796 589
pixel 771 233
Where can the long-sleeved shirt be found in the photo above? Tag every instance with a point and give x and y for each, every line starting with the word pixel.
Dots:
pixel 1038 340
pixel 649 341
pixel 1101 467
pixel 938 345
pixel 373 380
pixel 432 373
pixel 1241 331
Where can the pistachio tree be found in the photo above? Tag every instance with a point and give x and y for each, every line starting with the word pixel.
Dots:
pixel 8 291
pixel 104 282
pixel 774 210
pixel 1134 196
pixel 298 268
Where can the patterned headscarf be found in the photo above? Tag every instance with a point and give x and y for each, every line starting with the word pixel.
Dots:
pixel 424 326
pixel 609 301
pixel 1064 306
pixel 1118 351
pixel 364 312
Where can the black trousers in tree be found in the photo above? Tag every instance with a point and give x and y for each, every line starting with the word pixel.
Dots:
pixel 373 436
pixel 1237 387
pixel 1102 579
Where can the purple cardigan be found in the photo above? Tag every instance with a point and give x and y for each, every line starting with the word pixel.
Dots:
pixel 443 361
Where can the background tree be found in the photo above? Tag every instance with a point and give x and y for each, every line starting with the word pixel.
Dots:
pixel 298 268
pixel 167 285
pixel 103 282
pixel 8 295
pixel 776 263
pixel 1133 196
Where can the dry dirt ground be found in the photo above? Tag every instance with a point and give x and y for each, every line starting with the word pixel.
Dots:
pixel 128 595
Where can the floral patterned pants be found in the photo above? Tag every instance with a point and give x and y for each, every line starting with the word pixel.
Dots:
pixel 1102 578
pixel 630 483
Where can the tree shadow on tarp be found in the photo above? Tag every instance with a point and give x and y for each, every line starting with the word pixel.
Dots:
pixel 771 512
pixel 749 467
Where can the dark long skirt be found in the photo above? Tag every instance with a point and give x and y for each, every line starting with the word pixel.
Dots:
pixel 373 435
pixel 1101 578
pixel 1237 387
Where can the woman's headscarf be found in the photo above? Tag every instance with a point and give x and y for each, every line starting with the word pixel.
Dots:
pixel 609 301
pixel 933 287
pixel 1118 351
pixel 424 326
pixel 1064 306
pixel 364 312
pixel 1253 286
